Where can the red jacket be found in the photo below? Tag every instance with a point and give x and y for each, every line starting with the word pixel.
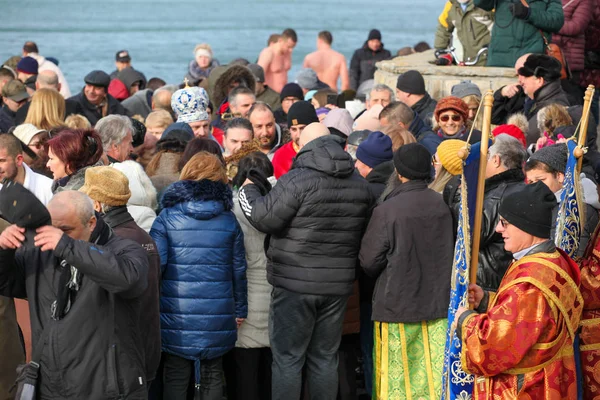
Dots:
pixel 283 158
pixel 571 37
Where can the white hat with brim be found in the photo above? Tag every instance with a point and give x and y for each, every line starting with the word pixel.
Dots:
pixel 26 132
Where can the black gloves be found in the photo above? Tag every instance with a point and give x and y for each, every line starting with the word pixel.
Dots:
pixel 518 10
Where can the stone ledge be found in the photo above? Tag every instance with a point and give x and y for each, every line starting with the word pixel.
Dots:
pixel 440 79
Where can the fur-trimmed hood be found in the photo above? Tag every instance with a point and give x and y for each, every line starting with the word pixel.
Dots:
pixel 199 199
pixel 220 79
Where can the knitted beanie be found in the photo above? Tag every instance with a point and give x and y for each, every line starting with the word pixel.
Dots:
pixel 28 65
pixel 530 209
pixel 411 82
pixel 511 130
pixel 413 161
pixel 554 156
pixel 107 185
pixel 301 113
pixel 464 89
pixel 454 104
pixel 447 152
pixel 291 90
pixel 375 149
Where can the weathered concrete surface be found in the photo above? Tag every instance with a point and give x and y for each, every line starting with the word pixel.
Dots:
pixel 440 79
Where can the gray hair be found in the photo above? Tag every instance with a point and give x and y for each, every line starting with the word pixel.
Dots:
pixel 511 152
pixel 238 91
pixel 77 201
pixel 47 79
pixel 113 129
pixel 380 87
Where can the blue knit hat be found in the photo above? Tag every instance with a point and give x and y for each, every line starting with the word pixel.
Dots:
pixel 375 149
pixel 28 65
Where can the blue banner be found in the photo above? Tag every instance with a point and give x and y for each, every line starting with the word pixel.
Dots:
pixel 570 214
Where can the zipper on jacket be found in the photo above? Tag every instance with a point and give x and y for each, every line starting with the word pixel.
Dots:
pixel 472 30
pixel 112 384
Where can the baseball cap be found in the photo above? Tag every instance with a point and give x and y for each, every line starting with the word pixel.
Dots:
pixel 26 132
pixel 123 56
pixel 15 90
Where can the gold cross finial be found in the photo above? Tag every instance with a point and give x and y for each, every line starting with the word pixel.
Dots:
pixel 186 81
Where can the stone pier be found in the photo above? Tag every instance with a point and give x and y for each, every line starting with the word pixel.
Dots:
pixel 440 79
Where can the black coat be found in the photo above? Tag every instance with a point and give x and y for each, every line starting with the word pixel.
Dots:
pixel 409 247
pixel 425 108
pixel 493 259
pixel 362 64
pixel 92 113
pixel 88 354
pixel 124 226
pixel 316 215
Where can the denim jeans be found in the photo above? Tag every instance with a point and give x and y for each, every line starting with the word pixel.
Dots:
pixel 305 328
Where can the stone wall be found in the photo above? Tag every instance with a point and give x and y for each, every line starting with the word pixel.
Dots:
pixel 440 79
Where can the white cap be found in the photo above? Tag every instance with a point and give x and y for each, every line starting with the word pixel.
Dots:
pixel 26 132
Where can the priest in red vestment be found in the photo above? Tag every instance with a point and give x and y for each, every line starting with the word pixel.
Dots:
pixel 519 341
pixel 300 114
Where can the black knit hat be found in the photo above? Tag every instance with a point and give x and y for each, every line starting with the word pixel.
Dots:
pixel 301 113
pixel 411 82
pixel 530 209
pixel 291 90
pixel 413 161
pixel 374 34
pixel 541 66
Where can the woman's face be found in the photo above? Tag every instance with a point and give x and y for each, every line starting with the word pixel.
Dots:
pixel 203 61
pixel 58 168
pixel 450 122
pixel 553 181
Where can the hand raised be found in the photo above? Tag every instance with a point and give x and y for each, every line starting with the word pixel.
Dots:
pixel 12 237
pixel 47 237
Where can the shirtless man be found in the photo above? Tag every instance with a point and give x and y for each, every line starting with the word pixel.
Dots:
pixel 276 60
pixel 328 63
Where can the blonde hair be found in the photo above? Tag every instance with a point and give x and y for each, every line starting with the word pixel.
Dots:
pixel 441 180
pixel 520 121
pixel 475 100
pixel 399 135
pixel 47 109
pixel 551 117
pixel 77 121
pixel 159 119
pixel 204 46
pixel 204 165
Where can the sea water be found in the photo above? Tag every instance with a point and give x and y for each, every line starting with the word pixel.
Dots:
pixel 161 34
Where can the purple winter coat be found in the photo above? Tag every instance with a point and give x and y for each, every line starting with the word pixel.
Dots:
pixel 571 37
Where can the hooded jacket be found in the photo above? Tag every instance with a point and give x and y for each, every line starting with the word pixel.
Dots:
pixel 409 248
pixel 203 267
pixel 362 64
pixel 513 37
pixel 316 215
pixel 92 113
pixel 129 76
pixel 94 352
pixel 122 223
pixel 424 134
pixel 221 77
pixel 140 103
pixel 142 203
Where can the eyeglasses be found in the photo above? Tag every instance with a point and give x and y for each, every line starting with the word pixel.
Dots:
pixel 455 118
pixel 504 223
pixel 36 145
pixel 434 162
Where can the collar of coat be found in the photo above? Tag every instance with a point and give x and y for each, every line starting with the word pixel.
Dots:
pixel 511 175
pixel 204 190
pixel 416 185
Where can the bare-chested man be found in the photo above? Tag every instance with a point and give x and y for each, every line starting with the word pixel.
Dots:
pixel 276 60
pixel 328 63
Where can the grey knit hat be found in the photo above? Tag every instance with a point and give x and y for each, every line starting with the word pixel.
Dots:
pixel 554 156
pixel 464 89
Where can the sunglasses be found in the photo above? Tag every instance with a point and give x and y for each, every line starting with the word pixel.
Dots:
pixel 504 223
pixel 455 118
pixel 36 145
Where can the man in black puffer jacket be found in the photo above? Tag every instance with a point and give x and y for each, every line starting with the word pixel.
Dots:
pixel 316 215
pixel 83 285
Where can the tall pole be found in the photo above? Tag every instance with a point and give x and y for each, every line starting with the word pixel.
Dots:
pixel 585 119
pixel 488 101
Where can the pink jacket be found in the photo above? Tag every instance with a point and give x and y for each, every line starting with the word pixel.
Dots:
pixel 571 37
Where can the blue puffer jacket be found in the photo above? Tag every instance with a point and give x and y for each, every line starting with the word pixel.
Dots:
pixel 203 265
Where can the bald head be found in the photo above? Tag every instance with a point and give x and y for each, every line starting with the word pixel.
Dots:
pixel 161 99
pixel 73 213
pixel 311 132
pixel 521 61
pixel 47 80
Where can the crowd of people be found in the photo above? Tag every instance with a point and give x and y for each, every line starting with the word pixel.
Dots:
pixel 240 236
